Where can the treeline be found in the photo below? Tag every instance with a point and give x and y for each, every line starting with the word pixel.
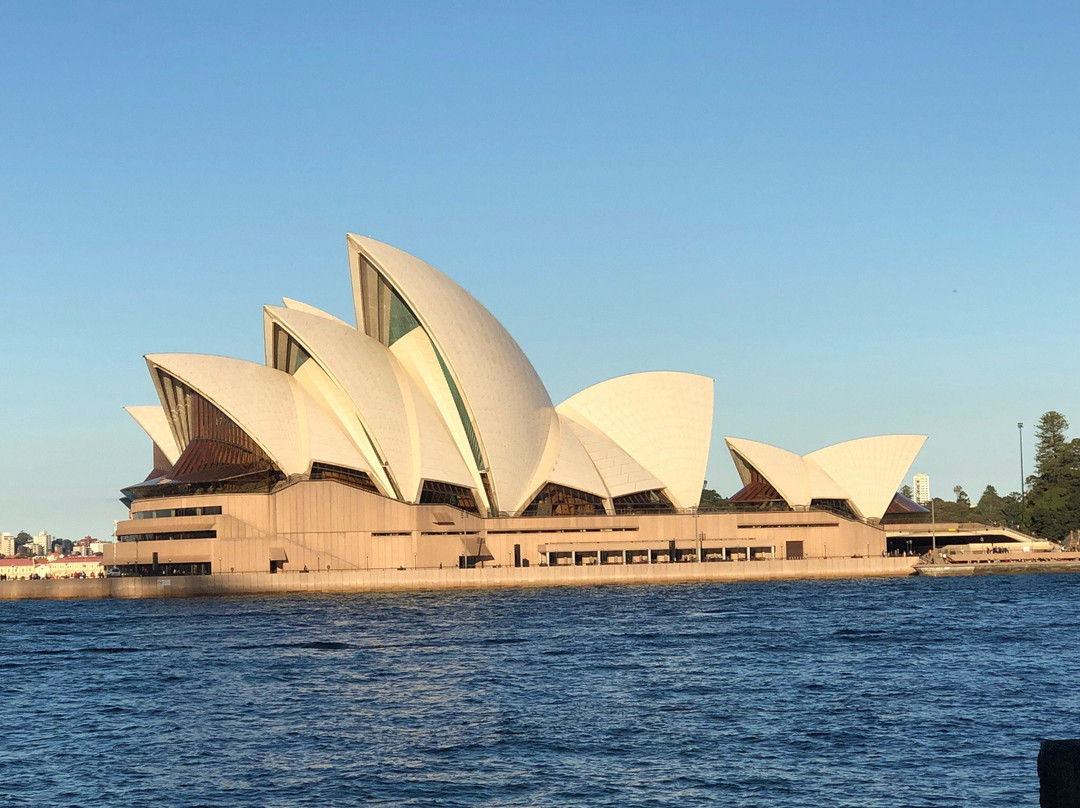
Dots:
pixel 1050 505
pixel 991 509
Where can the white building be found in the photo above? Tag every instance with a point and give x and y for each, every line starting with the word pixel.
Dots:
pixel 922 488
pixel 422 436
pixel 7 545
pixel 44 540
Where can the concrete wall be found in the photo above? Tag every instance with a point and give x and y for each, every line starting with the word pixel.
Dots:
pixel 453 578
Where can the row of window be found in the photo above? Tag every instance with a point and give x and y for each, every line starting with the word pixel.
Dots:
pixel 173 536
pixel 208 510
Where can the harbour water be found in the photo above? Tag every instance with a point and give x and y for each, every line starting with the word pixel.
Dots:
pixel 884 692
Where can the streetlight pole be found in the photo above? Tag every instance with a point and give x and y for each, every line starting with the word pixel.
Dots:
pixel 1020 426
pixel 933 534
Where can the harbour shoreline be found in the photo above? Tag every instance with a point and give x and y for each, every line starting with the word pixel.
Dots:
pixel 393 580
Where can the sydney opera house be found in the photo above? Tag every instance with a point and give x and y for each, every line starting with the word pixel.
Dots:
pixel 422 437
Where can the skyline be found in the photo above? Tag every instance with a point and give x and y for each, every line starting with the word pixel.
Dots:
pixel 858 220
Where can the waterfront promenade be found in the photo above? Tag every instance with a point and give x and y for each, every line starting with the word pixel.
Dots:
pixel 453 578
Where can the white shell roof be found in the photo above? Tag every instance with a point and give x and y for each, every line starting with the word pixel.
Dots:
pixel 574 468
pixel 784 470
pixel 268 405
pixel 663 419
pixel 418 359
pixel 509 405
pixel 620 472
pixel 870 469
pixel 389 412
pixel 155 424
pixel 865 472
pixel 297 305
pixel 328 394
pixel 400 419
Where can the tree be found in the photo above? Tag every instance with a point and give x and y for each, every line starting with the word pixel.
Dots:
pixel 994 509
pixel 23 538
pixel 1050 446
pixel 951 511
pixel 710 498
pixel 1053 512
pixel 905 491
pixel 961 496
pixel 1052 502
pixel 1012 509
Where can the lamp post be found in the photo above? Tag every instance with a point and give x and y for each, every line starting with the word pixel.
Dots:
pixel 1020 426
pixel 697 535
pixel 933 529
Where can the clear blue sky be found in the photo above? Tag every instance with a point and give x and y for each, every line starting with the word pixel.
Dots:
pixel 859 218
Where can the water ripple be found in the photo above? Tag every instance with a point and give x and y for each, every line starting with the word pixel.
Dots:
pixel 847 693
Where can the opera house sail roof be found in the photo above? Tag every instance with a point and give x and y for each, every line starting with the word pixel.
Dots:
pixel 428 399
pixel 859 477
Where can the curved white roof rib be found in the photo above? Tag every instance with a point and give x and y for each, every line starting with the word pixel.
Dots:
pixel 417 357
pixel 620 472
pixel 398 419
pixel 270 406
pixel 574 468
pixel 508 405
pixel 784 470
pixel 870 469
pixel 662 419
pixel 155 423
pixel 297 305
pixel 328 394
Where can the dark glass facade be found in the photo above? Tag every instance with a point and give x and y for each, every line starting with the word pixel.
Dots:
pixel 643 502
pixel 434 492
pixel 353 477
pixel 558 500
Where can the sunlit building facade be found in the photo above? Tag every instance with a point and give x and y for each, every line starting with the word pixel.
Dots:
pixel 922 488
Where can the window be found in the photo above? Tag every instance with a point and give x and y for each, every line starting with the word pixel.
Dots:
pixel 434 492
pixel 558 500
pixel 288 354
pixel 353 477
pixel 643 502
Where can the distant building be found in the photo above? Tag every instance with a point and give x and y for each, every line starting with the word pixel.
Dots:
pixel 63 567
pixel 87 546
pixel 76 567
pixel 922 488
pixel 45 541
pixel 7 544
pixel 11 568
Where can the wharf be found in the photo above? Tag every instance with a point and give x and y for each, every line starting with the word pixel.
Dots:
pixel 1014 564
pixel 343 581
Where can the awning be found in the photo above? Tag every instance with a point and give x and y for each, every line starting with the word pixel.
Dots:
pixel 473 544
pixel 278 554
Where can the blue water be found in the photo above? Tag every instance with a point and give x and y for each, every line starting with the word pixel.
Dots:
pixel 901 692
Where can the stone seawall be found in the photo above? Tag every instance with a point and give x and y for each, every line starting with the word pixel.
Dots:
pixel 452 578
